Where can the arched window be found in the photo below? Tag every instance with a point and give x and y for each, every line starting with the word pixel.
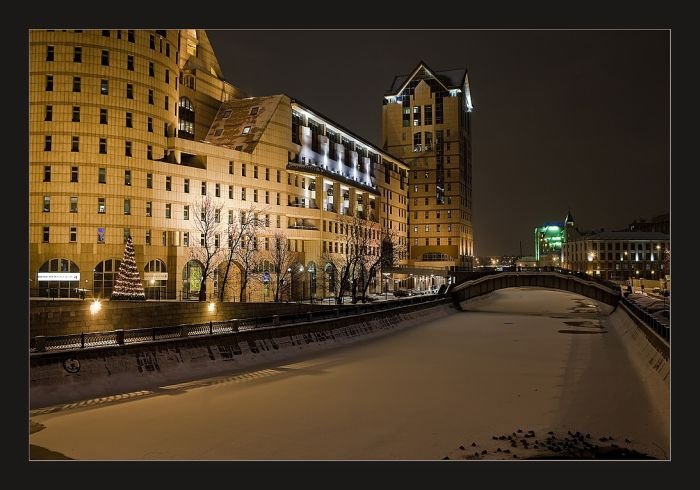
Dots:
pixel 155 279
pixel 104 276
pixel 330 271
pixel 59 278
pixel 192 279
pixel 311 269
pixel 186 119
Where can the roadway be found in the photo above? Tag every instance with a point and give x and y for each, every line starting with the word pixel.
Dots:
pixel 523 358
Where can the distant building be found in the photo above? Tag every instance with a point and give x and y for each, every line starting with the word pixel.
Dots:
pixel 526 262
pixel 659 224
pixel 619 255
pixel 549 239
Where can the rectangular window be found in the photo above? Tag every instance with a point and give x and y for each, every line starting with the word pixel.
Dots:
pixel 75 143
pixel 278 198
pixel 74 204
pixel 168 182
pixel 217 190
pixel 166 102
pixel 255 172
pixel 150 97
pixel 149 152
pixel 168 210
pixel 278 221
pixel 243 194
pixel 217 215
pixel 148 237
pixel 186 239
pixel 428 114
pixel 230 192
pixel 47 143
pixel 102 175
pixel 150 124
pixel 73 234
pixel 279 176
pixel 105 32
pixel 47 204
pixel 74 174
pixel 255 195
pixel 151 69
pixel 48 114
pixel 104 87
pixel 130 62
pixel 105 57
pixel 246 130
pixel 186 185
pixel 230 167
pixel 103 116
pixel 129 91
pixel 45 235
pixel 267 197
pixel 149 181
pixel 100 235
pixel 149 209
pixel 127 148
pixel 50 53
pixel 152 42
pixel 130 36
pixel 49 83
pixel 186 212
pixel 127 206
pixel 47 173
pixel 416 115
pixel 101 205
pixel 204 188
pixel 167 76
pixel 165 238
pixel 77 54
pixel 129 122
pixel 243 169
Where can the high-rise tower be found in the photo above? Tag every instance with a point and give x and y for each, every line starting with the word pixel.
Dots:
pixel 426 122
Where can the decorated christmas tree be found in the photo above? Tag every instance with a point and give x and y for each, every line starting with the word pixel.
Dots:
pixel 128 285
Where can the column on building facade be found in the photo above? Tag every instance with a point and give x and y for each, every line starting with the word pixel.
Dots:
pixel 337 197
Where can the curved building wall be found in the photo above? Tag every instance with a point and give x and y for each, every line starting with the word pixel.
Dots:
pixel 114 95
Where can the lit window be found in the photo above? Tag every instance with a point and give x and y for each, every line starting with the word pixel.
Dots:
pixel 246 130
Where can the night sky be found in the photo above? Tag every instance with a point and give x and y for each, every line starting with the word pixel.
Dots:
pixel 562 120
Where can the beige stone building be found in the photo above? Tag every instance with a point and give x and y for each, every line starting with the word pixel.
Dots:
pixel 131 130
pixel 426 123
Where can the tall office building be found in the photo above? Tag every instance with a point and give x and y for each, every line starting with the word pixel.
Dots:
pixel 132 130
pixel 426 123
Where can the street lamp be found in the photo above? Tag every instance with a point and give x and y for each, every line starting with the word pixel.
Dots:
pixel 386 286
pixel 301 270
pixel 291 282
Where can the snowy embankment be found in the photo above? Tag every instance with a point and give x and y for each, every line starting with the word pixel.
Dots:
pixel 78 375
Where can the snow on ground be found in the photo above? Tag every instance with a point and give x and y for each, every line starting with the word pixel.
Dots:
pixel 417 394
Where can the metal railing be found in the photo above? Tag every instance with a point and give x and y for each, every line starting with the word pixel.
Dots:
pixel 141 335
pixel 663 329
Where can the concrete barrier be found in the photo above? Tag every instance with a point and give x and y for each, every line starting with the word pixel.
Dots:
pixel 61 377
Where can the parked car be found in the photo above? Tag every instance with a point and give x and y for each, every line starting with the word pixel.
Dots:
pixel 401 293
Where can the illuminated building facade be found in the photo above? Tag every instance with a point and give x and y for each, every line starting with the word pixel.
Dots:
pixel 427 123
pixel 130 130
pixel 619 255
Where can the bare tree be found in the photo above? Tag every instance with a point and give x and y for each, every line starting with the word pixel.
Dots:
pixel 248 257
pixel 248 224
pixel 282 263
pixel 207 217
pixel 386 252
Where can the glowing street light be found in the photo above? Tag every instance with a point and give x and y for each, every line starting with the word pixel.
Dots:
pixel 95 307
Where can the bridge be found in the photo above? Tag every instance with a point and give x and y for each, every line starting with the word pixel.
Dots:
pixel 604 292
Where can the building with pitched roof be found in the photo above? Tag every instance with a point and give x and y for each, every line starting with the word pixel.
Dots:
pixel 427 123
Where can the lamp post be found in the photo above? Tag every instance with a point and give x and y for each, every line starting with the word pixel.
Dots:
pixel 301 270
pixel 291 283
pixel 386 286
